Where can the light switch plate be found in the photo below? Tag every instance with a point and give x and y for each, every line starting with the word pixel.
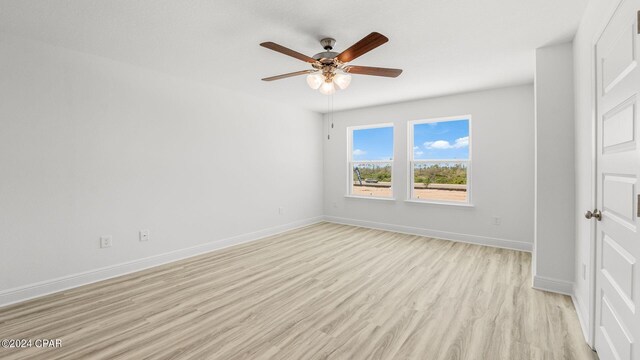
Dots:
pixel 106 241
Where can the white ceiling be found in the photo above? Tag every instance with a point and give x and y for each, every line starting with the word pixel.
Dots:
pixel 444 46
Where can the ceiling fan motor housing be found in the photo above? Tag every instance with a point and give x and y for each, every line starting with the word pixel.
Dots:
pixel 326 57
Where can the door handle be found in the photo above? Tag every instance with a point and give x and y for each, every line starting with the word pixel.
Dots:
pixel 595 214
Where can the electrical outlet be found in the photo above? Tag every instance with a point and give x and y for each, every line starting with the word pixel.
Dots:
pixel 281 210
pixel 497 220
pixel 145 235
pixel 106 241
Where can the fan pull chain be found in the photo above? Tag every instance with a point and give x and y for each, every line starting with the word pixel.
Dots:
pixel 329 116
pixel 332 111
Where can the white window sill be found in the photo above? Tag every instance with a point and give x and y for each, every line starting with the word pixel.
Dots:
pixel 425 202
pixel 370 197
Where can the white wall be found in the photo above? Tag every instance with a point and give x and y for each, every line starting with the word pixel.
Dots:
pixel 91 147
pixel 554 204
pixel 595 17
pixel 503 164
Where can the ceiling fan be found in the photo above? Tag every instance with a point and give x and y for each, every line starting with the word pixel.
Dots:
pixel 330 69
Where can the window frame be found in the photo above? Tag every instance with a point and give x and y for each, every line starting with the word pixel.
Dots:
pixel 411 161
pixel 351 161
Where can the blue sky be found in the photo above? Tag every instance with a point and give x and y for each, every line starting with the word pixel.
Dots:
pixel 373 144
pixel 442 140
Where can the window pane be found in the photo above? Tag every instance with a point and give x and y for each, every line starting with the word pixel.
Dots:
pixel 373 144
pixel 440 181
pixel 372 179
pixel 441 140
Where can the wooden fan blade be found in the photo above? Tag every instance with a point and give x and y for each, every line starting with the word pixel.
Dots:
pixel 283 50
pixel 284 76
pixel 362 47
pixel 375 71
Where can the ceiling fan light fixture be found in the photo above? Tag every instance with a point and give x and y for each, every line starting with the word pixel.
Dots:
pixel 315 80
pixel 327 88
pixel 342 81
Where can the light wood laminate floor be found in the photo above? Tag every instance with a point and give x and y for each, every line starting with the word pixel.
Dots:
pixel 325 291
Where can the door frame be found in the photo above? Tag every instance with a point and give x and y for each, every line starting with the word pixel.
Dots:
pixel 592 275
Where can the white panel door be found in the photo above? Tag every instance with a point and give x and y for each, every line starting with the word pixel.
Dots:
pixel 618 173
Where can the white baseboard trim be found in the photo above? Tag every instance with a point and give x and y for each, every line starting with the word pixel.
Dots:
pixel 445 235
pixel 581 319
pixel 553 285
pixel 31 291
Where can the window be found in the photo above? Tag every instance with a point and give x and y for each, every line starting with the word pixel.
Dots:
pixel 371 161
pixel 440 160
